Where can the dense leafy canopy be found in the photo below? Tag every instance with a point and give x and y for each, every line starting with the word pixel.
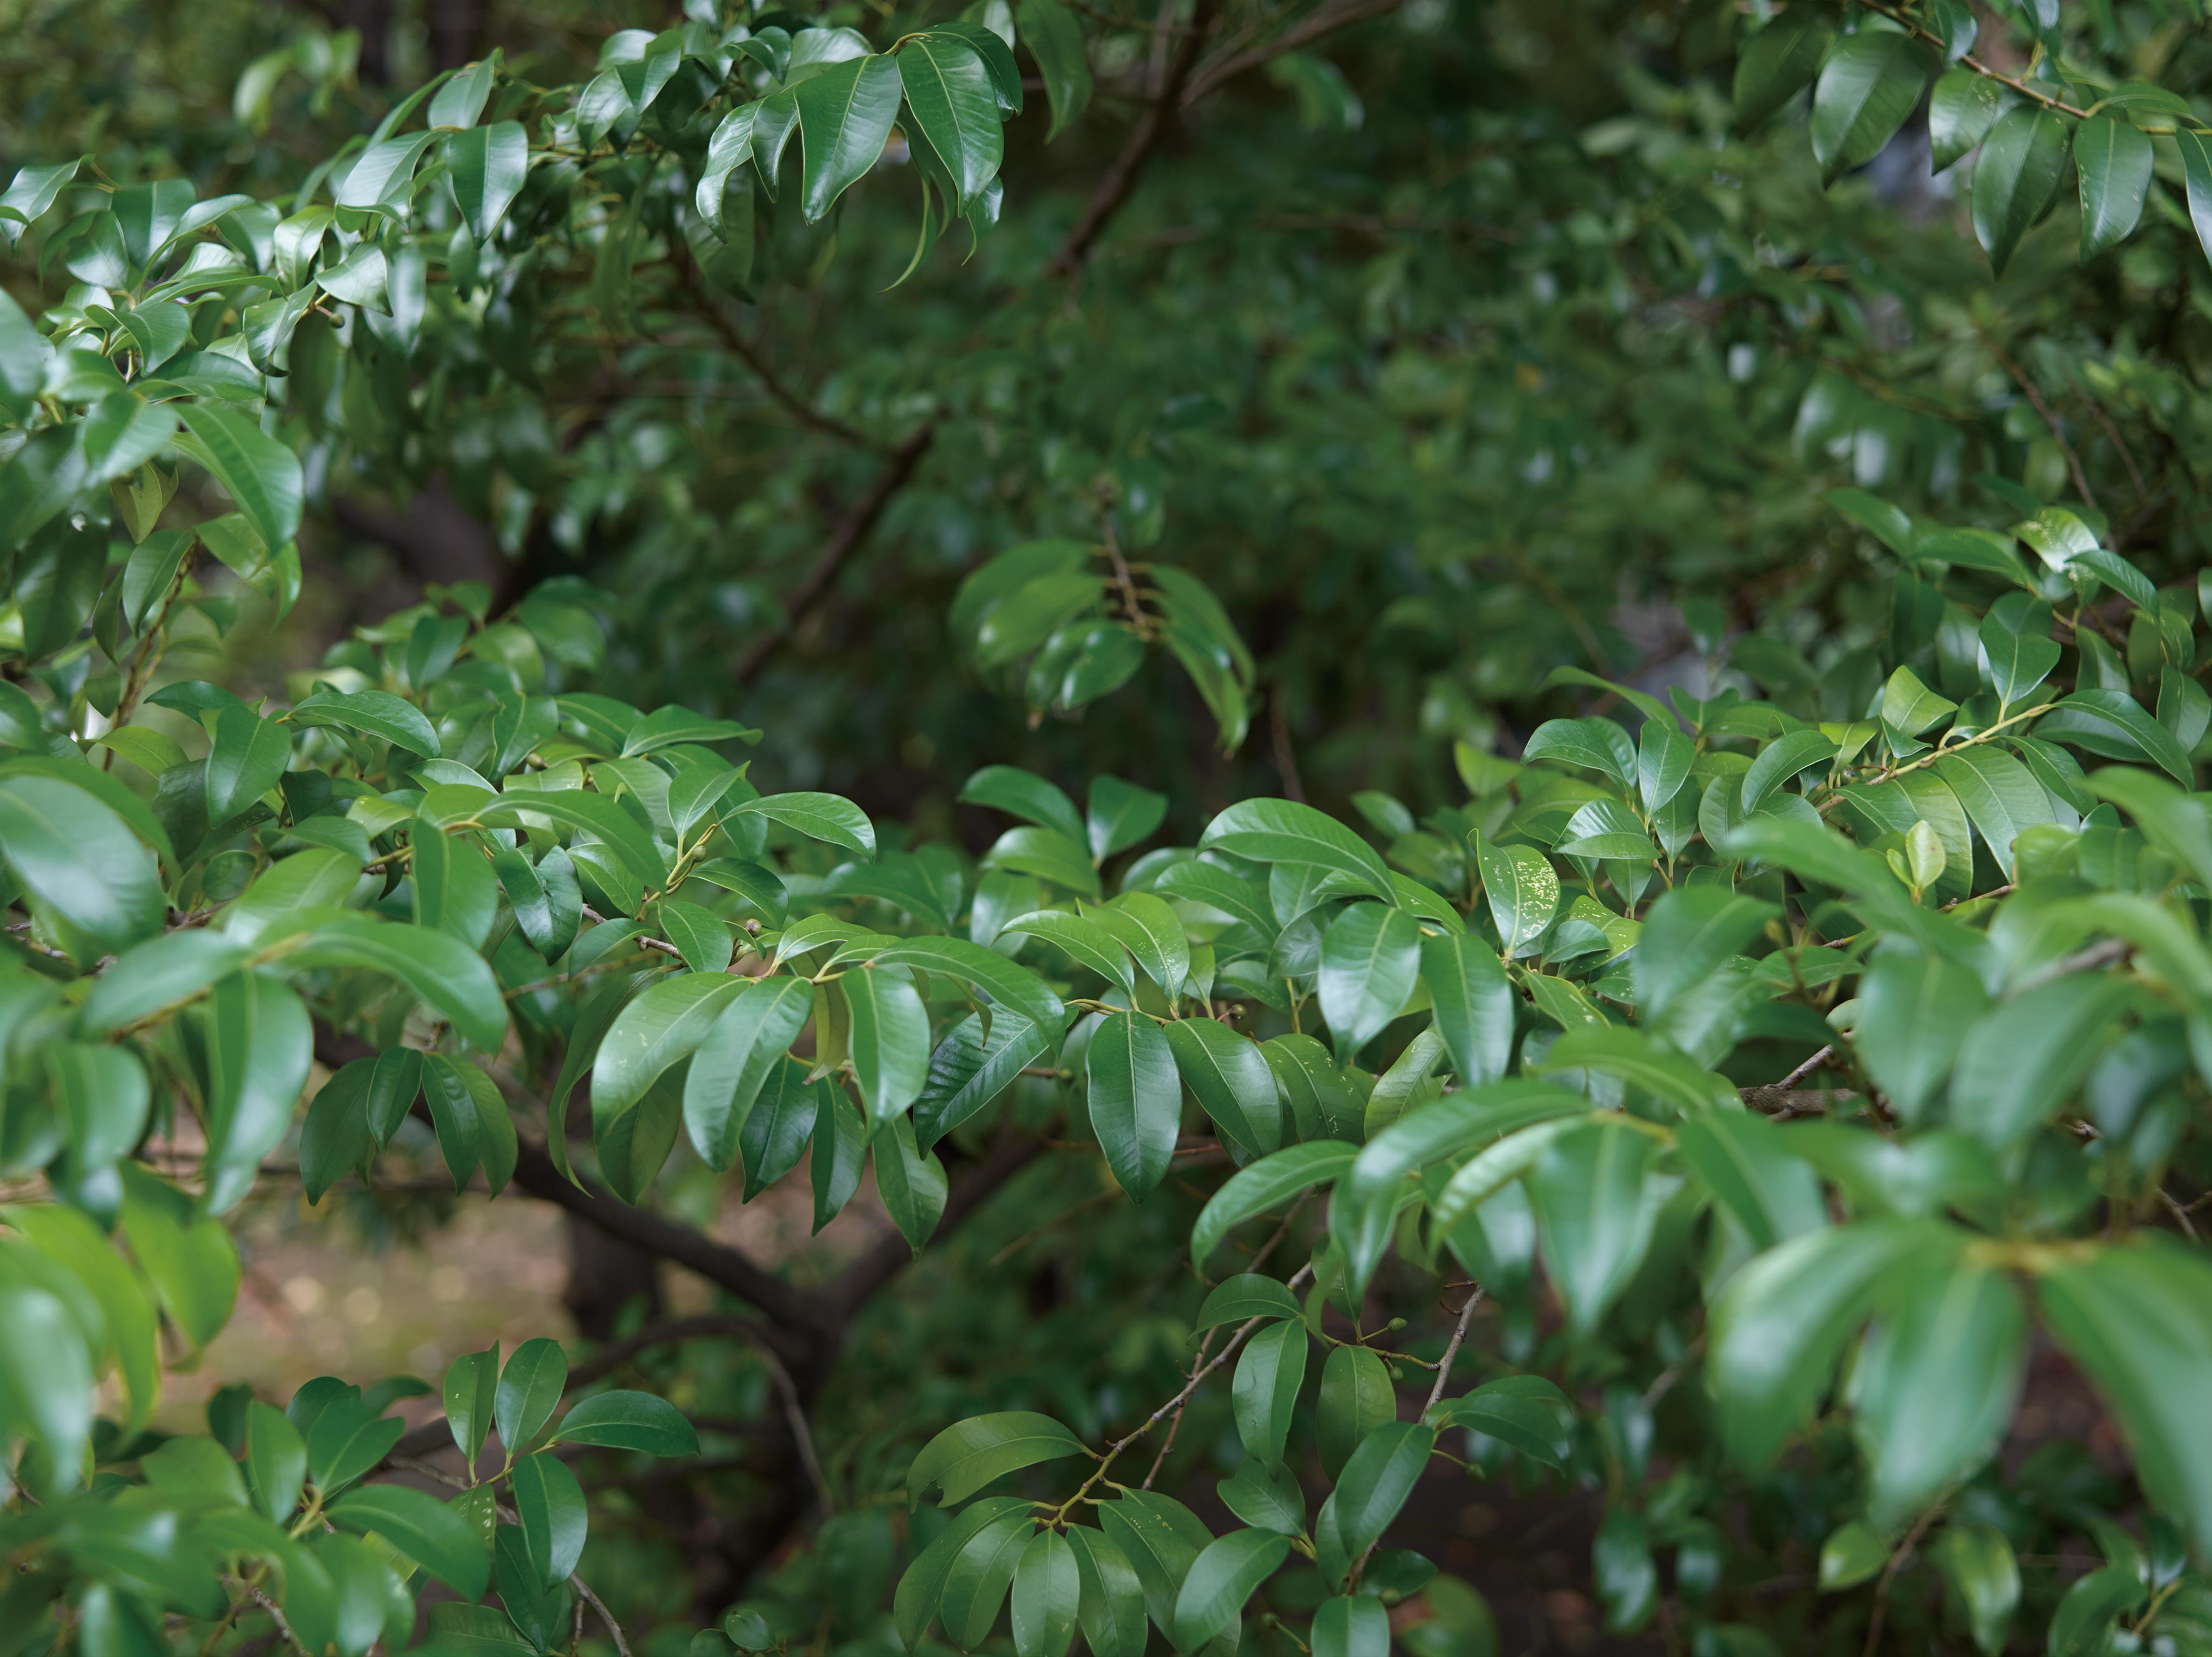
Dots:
pixel 892 515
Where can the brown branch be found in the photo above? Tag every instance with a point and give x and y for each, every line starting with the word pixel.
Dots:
pixel 791 404
pixel 1120 180
pixel 801 1314
pixel 2050 414
pixel 970 1190
pixel 1327 20
pixel 851 531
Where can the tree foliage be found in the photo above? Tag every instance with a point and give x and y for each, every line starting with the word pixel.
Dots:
pixel 1746 1019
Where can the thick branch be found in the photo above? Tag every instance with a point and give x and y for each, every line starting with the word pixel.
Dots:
pixel 718 1263
pixel 851 531
pixel 1120 180
pixel 970 1189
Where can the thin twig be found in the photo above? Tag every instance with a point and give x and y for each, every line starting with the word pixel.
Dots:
pixel 2050 414
pixel 1120 180
pixel 1176 1426
pixel 1889 1575
pixel 850 532
pixel 1328 20
pixel 745 352
pixel 1806 1068
pixel 1452 1351
pixel 622 1645
pixel 2082 961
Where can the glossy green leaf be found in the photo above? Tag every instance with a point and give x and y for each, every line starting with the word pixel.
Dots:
pixel 550 1504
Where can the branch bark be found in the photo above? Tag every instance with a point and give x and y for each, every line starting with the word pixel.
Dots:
pixel 1152 125
pixel 851 531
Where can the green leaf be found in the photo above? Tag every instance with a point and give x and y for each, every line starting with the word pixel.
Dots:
pixel 550 1504
pixel 1977 1562
pixel 1747 1162
pixel 45 1378
pixel 1055 40
pixel 1591 744
pixel 652 1034
pixel 845 115
pixel 1120 814
pixel 1781 759
pixel 249 753
pixel 259 1042
pixel 1596 1210
pixel 949 93
pixel 835 1161
pixel 2138 1318
pixel 78 861
pixel 1048 1589
pixel 1854 1553
pixel 1112 1606
pixel 1083 939
pixel 470 1392
pixel 1229 1077
pixel 2021 164
pixel 1135 1101
pixel 921 1589
pixel 1474 1004
pixel 1024 794
pixel 1356 1399
pixel 1784 1319
pixel 276 1461
pixel 1352 1625
pixel 1376 1479
pixel 2196 149
pixel 2114 160
pixel 890 1039
pixel 1776 63
pixel 595 814
pixel 829 817
pixel 260 475
pixel 133 1336
pixel 1370 955
pixel 1265 1391
pixel 1012 987
pixel 968 1070
pixel 530 1387
pixel 2023 1059
pixel 539 1611
pixel 1935 1384
pixel 1047 853
pixel 969 1454
pixel 976 1583
pixel 2113 724
pixel 1248 1295
pixel 1267 1497
pixel 455 890
pixel 424 1529
pixel 1868 85
pixel 104 1097
pixel 1283 831
pixel 439 970
pixel 1152 933
pixel 2083 1626
pixel 1225 1574
pixel 1526 1413
pixel 191 1260
pixel 1523 891
pixel 734 1059
pixel 373 714
pixel 1961 110
pixel 628 1420
pixel 346 1439
pixel 1688 936
pixel 912 1185
pixel 1265 1184
pixel 488 164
